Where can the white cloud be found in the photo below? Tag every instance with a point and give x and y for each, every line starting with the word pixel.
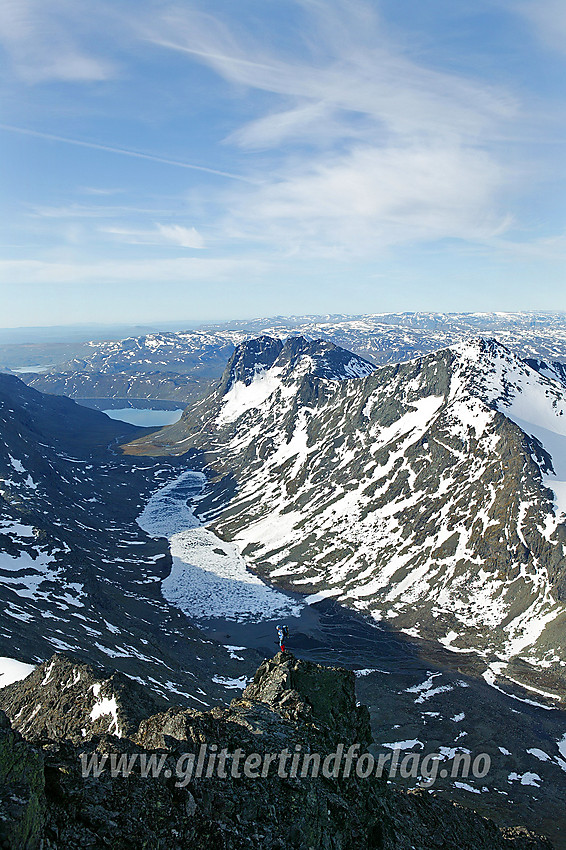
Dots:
pixel 189 269
pixel 371 198
pixel 186 237
pixel 355 70
pixel 48 40
pixel 362 145
pixel 98 190
pixel 367 147
pixel 163 234
pixel 107 211
pixel 551 248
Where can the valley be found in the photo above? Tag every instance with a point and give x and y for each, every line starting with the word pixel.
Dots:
pixel 406 521
pixel 423 697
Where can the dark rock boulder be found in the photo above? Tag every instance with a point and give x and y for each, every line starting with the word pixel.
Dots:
pixel 305 692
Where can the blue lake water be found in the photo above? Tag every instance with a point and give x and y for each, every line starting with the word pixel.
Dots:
pixel 147 418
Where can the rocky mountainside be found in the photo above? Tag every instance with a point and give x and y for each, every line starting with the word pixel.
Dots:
pixel 77 573
pixel 429 493
pixel 55 796
pixel 180 366
pixel 66 700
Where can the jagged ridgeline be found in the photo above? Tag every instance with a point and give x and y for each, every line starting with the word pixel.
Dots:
pixel 53 798
pixel 180 366
pixel 429 492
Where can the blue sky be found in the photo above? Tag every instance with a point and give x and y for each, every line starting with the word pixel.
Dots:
pixel 214 160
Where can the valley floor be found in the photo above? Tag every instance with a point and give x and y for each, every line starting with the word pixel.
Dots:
pixel 423 697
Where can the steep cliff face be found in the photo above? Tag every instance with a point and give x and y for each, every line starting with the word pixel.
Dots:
pixel 291 706
pixel 22 790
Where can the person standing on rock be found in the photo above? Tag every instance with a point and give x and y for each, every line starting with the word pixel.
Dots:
pixel 283 634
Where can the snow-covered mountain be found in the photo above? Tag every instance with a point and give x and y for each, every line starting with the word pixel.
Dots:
pixel 430 493
pixel 395 337
pixel 179 366
pixel 405 491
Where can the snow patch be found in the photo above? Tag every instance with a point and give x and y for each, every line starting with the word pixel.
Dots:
pixel 242 397
pixel 12 670
pixel 236 684
pixel 103 707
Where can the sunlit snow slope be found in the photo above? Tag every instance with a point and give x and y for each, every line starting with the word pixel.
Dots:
pixel 424 492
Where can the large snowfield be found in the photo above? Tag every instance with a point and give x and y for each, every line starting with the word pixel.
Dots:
pixel 209 578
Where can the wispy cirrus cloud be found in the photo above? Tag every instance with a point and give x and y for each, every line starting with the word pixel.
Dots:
pixel 175 235
pixel 365 147
pixel 351 66
pixel 49 40
pixel 135 154
pixel 98 190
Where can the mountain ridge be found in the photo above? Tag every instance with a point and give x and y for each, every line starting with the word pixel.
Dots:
pixel 180 366
pixel 77 572
pixel 371 488
pixel 291 706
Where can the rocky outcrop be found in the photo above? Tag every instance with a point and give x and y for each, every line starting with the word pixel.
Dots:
pixel 66 700
pixel 289 703
pixel 291 706
pixel 331 706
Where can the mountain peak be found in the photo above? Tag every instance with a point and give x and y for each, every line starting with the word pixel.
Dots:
pixel 262 365
pixel 77 701
pixel 250 358
pixel 319 357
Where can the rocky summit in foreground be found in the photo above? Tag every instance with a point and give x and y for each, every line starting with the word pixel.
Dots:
pixel 231 777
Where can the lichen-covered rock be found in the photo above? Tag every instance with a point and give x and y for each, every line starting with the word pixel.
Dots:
pixel 307 692
pixel 22 790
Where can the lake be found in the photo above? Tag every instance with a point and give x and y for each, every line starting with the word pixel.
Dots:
pixel 145 418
